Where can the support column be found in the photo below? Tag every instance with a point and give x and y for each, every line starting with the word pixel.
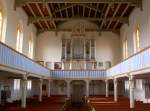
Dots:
pixel 49 88
pixel 131 84
pixel 40 89
pixel 68 89
pixel 87 88
pixel 115 90
pixel 107 88
pixel 24 91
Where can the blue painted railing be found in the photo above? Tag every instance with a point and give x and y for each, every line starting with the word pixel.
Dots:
pixel 139 61
pixel 12 59
pixel 78 74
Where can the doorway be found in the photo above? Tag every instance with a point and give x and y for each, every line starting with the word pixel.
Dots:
pixel 78 91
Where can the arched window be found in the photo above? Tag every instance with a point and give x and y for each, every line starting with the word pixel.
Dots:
pixel 19 42
pixel 31 46
pixel 125 48
pixel 1 25
pixel 137 39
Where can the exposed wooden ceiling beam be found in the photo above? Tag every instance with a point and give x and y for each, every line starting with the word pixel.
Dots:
pixel 89 12
pixel 91 7
pixel 37 5
pixel 63 8
pixel 73 11
pixel 23 2
pixel 114 15
pixel 121 19
pixel 51 5
pixel 83 11
pixel 50 14
pixel 78 10
pixel 66 10
pixel 33 15
pixel 96 10
pixel 77 4
pixel 86 30
pixel 59 8
pixel 121 16
pixel 105 16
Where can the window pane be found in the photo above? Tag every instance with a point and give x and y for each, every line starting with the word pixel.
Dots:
pixel 137 40
pixel 30 52
pixel 19 41
pixel 18 36
pixel 16 84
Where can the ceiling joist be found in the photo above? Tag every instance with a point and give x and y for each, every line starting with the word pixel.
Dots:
pixel 108 15
pixel 50 14
pixel 132 2
pixel 120 19
pixel 86 30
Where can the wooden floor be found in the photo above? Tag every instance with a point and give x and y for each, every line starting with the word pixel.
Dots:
pixel 107 104
pixel 55 103
pixel 78 107
pixel 48 104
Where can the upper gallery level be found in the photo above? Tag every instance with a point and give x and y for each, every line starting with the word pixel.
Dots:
pixel 81 40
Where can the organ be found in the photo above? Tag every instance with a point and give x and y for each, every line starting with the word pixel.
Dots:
pixel 78 49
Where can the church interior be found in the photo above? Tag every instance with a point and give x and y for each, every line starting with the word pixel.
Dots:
pixel 74 55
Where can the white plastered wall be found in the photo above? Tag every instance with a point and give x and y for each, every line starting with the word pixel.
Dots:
pixel 141 18
pixel 107 44
pixel 12 18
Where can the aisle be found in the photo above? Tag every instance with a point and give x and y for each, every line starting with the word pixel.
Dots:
pixel 78 107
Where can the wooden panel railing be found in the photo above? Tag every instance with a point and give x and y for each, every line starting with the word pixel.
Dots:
pixel 15 60
pixel 78 74
pixel 136 62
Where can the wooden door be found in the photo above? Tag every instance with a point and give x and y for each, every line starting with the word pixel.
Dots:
pixel 78 93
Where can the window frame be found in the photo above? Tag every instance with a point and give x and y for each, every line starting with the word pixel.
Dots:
pixel 136 39
pixel 19 40
pixel 125 48
pixel 1 26
pixel 31 46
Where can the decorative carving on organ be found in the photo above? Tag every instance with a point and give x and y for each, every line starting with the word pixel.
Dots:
pixel 78 30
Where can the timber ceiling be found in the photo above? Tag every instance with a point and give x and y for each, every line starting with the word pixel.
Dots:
pixel 109 15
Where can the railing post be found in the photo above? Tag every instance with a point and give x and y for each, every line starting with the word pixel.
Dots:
pixel 115 90
pixel 87 88
pixel 131 84
pixel 49 88
pixel 24 91
pixel 107 88
pixel 68 89
pixel 40 89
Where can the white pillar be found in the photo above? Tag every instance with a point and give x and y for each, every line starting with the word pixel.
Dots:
pixel 115 90
pixel 40 89
pixel 107 88
pixel 131 83
pixel 68 89
pixel 24 91
pixel 87 88
pixel 49 88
